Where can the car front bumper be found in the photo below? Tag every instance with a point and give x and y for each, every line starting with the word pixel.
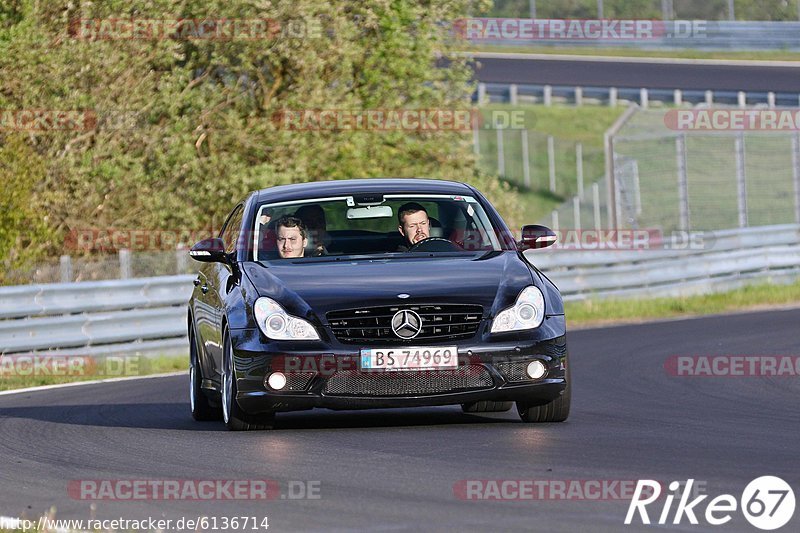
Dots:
pixel 484 367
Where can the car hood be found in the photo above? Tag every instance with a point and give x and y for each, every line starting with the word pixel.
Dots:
pixel 492 280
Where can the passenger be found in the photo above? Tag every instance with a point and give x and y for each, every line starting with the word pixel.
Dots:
pixel 314 218
pixel 414 225
pixel 292 237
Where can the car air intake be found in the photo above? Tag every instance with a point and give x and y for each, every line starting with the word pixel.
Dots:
pixel 357 383
pixel 439 322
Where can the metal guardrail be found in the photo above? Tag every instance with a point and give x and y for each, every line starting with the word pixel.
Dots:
pixel 612 96
pixel 144 315
pixel 148 315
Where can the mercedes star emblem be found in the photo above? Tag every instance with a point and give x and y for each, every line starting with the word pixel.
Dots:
pixel 406 324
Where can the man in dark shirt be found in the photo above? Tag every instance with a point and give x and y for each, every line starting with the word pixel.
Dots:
pixel 414 225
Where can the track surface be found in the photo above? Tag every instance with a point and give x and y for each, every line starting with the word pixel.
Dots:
pixel 393 470
pixel 589 73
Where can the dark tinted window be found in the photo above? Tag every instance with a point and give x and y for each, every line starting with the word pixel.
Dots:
pixel 233 226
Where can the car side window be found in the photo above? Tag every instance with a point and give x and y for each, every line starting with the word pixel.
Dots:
pixel 231 229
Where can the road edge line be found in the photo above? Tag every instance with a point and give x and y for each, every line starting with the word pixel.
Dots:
pixel 91 382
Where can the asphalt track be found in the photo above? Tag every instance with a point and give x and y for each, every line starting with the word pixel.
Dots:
pixel 715 76
pixel 394 470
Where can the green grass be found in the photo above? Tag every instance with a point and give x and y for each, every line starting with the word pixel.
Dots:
pixel 16 376
pixel 568 126
pixel 597 312
pixel 775 55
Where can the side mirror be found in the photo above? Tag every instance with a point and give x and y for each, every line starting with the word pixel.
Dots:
pixel 211 250
pixel 536 236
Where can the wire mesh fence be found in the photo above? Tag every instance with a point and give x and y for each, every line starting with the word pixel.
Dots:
pixel 123 265
pixel 537 161
pixel 704 180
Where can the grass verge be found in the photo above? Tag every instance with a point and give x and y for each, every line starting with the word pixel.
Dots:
pixel 752 297
pixel 17 372
pixel 568 125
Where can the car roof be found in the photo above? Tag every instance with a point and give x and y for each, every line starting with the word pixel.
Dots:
pixel 314 189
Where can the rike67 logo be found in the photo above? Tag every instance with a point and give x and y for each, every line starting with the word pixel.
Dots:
pixel 767 503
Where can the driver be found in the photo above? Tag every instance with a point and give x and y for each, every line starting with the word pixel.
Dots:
pixel 414 225
pixel 291 237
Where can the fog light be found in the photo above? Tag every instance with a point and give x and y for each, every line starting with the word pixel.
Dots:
pixel 535 369
pixel 276 381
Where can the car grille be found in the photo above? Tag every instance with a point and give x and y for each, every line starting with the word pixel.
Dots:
pixel 514 371
pixel 297 381
pixel 439 322
pixel 356 383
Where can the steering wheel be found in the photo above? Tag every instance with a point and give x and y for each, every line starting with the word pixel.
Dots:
pixel 435 244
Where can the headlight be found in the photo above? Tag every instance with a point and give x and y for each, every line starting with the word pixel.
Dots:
pixel 278 325
pixel 527 312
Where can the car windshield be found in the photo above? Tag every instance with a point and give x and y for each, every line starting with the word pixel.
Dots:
pixel 371 225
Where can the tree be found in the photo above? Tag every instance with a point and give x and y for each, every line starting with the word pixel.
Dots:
pixel 178 128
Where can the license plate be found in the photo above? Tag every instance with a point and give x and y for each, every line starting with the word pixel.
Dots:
pixel 411 358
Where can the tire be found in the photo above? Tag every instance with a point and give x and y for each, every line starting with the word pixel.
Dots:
pixel 554 411
pixel 201 407
pixel 232 415
pixel 486 406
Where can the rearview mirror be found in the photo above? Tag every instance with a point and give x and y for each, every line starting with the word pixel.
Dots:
pixel 211 250
pixel 536 236
pixel 371 211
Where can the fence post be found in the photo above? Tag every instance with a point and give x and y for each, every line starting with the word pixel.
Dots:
pixel 547 95
pixel 677 97
pixel 481 93
pixel 741 182
pixel 124 264
pixel 637 188
pixel 579 167
pixel 741 97
pixel 512 94
pixel 181 259
pixel 526 164
pixel 644 98
pixel 551 162
pixel 683 182
pixel 770 99
pixel 66 268
pixel 578 96
pixel 596 206
pixel 709 97
pixel 796 174
pixel 501 157
pixel 612 97
pixel 576 211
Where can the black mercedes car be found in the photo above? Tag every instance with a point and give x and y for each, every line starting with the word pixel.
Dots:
pixel 373 293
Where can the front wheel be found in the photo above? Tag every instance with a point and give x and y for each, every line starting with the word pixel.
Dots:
pixel 235 419
pixel 554 411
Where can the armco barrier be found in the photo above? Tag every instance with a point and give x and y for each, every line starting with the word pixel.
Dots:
pixel 144 315
pixel 148 315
